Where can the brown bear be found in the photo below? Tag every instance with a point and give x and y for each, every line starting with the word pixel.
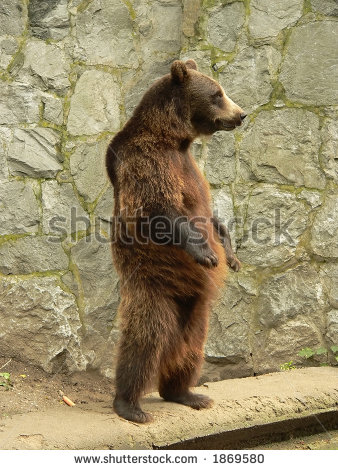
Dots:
pixel 168 249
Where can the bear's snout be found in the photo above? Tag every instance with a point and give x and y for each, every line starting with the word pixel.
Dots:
pixel 229 124
pixel 239 117
pixel 234 114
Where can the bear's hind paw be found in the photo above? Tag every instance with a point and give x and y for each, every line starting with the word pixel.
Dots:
pixel 131 412
pixel 194 400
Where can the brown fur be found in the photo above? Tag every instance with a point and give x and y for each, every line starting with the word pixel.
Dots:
pixel 166 290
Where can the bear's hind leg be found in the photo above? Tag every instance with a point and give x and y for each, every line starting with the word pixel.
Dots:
pixel 145 327
pixel 182 372
pixel 175 387
pixel 133 373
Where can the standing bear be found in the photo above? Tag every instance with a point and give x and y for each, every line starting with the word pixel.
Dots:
pixel 170 252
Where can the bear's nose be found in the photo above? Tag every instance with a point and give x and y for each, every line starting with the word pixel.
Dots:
pixel 243 116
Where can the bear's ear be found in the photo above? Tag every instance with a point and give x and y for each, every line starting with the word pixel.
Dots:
pixel 191 64
pixel 179 71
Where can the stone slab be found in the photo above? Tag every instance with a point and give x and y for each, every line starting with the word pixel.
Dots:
pixel 43 325
pixel 239 404
pixel 309 72
pixel 229 18
pixel 94 105
pixel 34 153
pixel 268 18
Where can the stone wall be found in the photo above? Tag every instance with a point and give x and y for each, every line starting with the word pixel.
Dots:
pixel 71 72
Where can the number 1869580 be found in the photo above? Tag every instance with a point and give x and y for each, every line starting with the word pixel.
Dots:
pixel 238 458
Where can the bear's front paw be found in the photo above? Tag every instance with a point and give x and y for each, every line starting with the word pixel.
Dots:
pixel 234 263
pixel 202 254
pixel 207 258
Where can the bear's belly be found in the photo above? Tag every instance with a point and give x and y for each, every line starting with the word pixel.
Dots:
pixel 168 267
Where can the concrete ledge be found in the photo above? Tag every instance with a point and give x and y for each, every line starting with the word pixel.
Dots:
pixel 260 434
pixel 244 410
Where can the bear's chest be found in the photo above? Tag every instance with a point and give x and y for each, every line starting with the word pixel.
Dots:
pixel 195 189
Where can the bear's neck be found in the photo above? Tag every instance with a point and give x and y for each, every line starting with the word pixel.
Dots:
pixel 164 132
pixel 163 124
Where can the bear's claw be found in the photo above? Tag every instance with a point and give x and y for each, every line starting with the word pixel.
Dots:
pixel 234 263
pixel 207 258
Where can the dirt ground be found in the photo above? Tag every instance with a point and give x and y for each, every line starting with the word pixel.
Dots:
pixel 32 389
pixel 33 394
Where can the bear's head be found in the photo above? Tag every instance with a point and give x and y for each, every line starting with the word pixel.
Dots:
pixel 210 109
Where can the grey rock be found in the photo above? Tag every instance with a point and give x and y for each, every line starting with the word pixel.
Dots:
pixel 87 166
pixel 151 20
pixel 142 21
pixel 12 17
pixel 221 163
pixel 104 34
pixel 332 328
pixel 272 222
pixel 280 345
pixel 200 152
pixel 69 280
pixel 53 110
pixel 73 4
pixel 247 80
pixel 104 215
pixel 324 240
pixel 34 152
pixel 202 59
pixel 32 254
pixel 8 47
pixel 191 14
pixel 164 17
pixel 224 26
pixel 268 18
pixel 223 204
pixel 313 198
pixel 104 208
pixel 45 66
pixel 16 65
pixel 19 208
pixel 99 284
pixel 62 212
pixel 309 71
pixel 329 153
pixel 284 296
pixel 99 279
pixel 19 103
pixel 77 68
pixel 48 20
pixel 94 104
pixel 5 138
pixel 282 146
pixel 42 326
pixel 326 7
pixel 248 281
pixel 223 208
pixel 228 337
pixel 329 275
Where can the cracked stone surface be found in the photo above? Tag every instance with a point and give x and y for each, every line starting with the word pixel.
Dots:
pixel 94 107
pixel 71 73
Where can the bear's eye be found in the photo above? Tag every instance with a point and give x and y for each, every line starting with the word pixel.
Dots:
pixel 217 98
